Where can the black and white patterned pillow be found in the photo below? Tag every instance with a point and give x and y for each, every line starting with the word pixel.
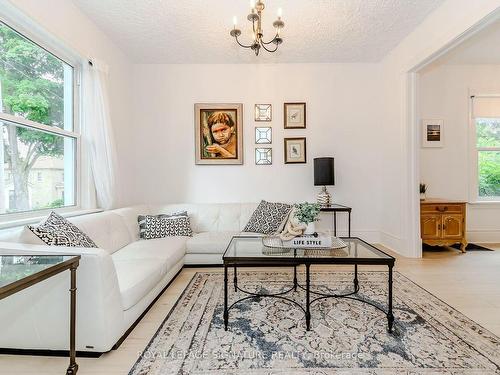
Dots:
pixel 165 226
pixel 268 217
pixel 141 219
pixel 57 231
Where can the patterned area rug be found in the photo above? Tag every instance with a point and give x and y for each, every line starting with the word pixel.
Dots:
pixel 268 336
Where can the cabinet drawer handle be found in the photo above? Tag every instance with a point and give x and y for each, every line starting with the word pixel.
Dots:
pixel 442 209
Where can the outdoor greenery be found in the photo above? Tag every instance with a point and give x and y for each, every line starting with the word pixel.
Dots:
pixel 32 87
pixel 307 212
pixel 488 135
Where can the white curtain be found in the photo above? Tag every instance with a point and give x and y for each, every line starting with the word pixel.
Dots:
pixel 97 133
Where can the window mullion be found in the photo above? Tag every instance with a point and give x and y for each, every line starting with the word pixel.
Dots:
pixel 488 148
pixel 35 125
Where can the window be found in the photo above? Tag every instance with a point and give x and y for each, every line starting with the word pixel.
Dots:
pixel 38 140
pixel 486 148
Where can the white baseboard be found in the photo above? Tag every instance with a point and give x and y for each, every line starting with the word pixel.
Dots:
pixel 483 236
pixel 392 242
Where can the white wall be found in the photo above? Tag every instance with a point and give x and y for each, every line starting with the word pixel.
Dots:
pixel 342 121
pixel 360 114
pixel 69 26
pixel 444 94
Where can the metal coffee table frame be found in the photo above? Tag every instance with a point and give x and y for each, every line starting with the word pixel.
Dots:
pixel 249 261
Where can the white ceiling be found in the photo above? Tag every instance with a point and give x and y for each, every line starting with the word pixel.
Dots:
pixel 197 31
pixel 482 48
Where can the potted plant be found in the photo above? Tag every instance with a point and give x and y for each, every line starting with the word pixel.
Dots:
pixel 423 189
pixel 308 213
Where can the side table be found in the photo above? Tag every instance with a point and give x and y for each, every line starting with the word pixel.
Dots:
pixel 18 272
pixel 334 208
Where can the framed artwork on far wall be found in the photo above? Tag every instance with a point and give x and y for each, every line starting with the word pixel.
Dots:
pixel 295 115
pixel 295 150
pixel 218 133
pixel 263 135
pixel 432 133
pixel 263 112
pixel 263 156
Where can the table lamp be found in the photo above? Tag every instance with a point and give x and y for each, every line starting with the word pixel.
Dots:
pixel 324 175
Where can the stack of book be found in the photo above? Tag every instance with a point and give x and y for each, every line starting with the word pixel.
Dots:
pixel 309 241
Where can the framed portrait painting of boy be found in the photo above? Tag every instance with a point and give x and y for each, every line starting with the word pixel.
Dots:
pixel 218 133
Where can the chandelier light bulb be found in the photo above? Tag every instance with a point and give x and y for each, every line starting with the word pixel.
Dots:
pixel 235 21
pixel 280 12
pixel 252 4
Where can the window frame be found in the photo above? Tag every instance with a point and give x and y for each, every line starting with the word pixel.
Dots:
pixel 35 34
pixel 474 151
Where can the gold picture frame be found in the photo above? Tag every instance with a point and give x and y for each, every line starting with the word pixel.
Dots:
pixel 294 115
pixel 218 133
pixel 295 150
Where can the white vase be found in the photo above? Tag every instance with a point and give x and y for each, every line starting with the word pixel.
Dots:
pixel 310 229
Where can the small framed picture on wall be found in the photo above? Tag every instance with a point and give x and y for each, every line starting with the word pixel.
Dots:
pixel 263 112
pixel 295 150
pixel 295 115
pixel 432 133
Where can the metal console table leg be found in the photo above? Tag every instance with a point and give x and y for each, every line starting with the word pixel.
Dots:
pixel 349 227
pixel 73 366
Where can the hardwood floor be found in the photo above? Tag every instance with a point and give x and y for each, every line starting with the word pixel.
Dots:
pixel 469 282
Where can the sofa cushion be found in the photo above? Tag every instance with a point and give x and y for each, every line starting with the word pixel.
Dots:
pixel 268 217
pixel 107 229
pixel 129 216
pixel 136 277
pixel 160 226
pixel 210 217
pixel 58 231
pixel 212 242
pixel 165 251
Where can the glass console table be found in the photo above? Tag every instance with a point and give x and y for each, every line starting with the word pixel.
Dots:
pixel 18 272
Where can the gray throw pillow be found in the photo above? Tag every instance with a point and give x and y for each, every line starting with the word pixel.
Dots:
pixel 57 231
pixel 164 225
pixel 268 217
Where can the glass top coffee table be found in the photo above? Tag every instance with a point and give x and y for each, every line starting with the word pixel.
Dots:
pixel 245 251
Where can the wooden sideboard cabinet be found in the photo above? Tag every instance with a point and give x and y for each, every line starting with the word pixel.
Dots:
pixel 442 222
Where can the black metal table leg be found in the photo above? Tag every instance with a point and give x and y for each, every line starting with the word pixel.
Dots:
pixel 349 227
pixel 73 366
pixel 226 313
pixel 335 223
pixel 235 280
pixel 295 277
pixel 308 289
pixel 356 283
pixel 390 316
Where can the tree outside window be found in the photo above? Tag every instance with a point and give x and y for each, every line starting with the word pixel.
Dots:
pixel 488 148
pixel 37 141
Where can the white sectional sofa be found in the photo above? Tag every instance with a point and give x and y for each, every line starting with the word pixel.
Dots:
pixel 117 281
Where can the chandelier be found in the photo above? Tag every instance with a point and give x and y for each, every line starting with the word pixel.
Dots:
pixel 256 18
